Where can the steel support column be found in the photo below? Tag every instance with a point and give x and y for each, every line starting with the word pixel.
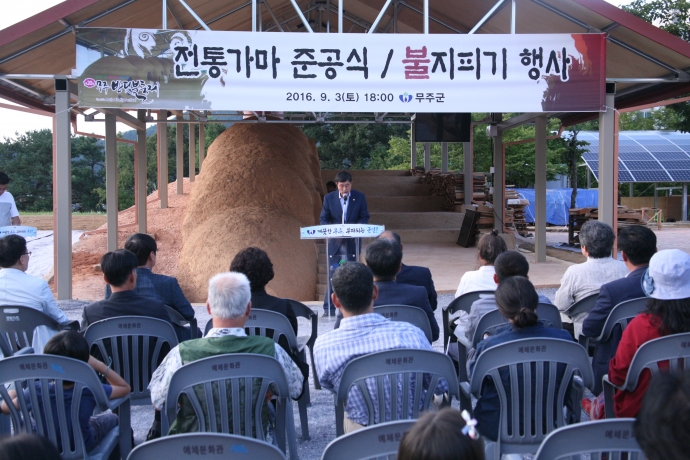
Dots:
pixel 427 157
pixel 111 179
pixel 62 191
pixel 202 144
pixel 192 151
pixel 179 156
pixel 684 206
pixel 140 173
pixel 413 148
pixel 468 172
pixel 444 157
pixel 498 182
pixel 608 165
pixel 163 159
pixel 540 189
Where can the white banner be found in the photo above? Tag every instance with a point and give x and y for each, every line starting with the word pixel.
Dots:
pixel 341 231
pixel 20 230
pixel 172 69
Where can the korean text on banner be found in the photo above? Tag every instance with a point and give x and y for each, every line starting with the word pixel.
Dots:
pixel 218 70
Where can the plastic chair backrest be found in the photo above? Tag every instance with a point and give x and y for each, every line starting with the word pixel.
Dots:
pixel 612 439
pixel 136 344
pixel 493 320
pixel 622 314
pixel 303 311
pixel 215 388
pixel 202 445
pixel 464 303
pixel 30 371
pixel 548 400
pixel 409 314
pixel 382 367
pixel 673 349
pixel 367 443
pixel 584 305
pixel 177 318
pixel 17 324
pixel 261 322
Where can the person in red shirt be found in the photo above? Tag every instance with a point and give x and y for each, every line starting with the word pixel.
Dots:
pixel 668 312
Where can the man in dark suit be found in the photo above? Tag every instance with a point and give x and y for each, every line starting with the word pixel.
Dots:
pixel 412 274
pixel 153 285
pixel 119 271
pixel 637 244
pixel 384 258
pixel 344 206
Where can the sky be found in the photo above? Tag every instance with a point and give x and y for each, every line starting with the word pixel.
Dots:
pixel 12 121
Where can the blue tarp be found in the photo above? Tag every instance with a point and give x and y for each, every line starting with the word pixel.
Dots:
pixel 558 203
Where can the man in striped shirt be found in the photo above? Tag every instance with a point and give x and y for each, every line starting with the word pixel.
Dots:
pixel 361 332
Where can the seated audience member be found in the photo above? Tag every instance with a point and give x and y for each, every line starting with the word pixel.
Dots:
pixel 229 305
pixel 257 267
pixel 255 264
pixel 444 435
pixel 331 187
pixel 517 300
pixel 662 427
pixel 582 280
pixel 163 288
pixel 507 264
pixel 490 246
pixel 668 312
pixel 72 344
pixel 362 332
pixel 18 288
pixel 412 274
pixel 29 446
pixel 384 258
pixel 637 244
pixel 120 272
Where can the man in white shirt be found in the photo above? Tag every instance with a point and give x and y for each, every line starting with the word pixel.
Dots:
pixel 9 215
pixel 18 288
pixel 582 280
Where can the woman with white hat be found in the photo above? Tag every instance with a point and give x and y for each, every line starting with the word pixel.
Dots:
pixel 667 284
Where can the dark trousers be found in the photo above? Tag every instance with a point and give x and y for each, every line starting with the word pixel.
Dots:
pixel 339 252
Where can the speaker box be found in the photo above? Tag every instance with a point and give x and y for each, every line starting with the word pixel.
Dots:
pixel 468 231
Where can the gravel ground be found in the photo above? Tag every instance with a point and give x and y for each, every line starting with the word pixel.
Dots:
pixel 321 413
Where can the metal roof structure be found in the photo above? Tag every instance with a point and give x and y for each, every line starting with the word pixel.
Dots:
pixel 642 59
pixel 644 156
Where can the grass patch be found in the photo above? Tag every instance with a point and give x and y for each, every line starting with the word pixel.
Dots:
pixel 46 213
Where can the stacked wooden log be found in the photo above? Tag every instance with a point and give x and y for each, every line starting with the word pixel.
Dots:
pixel 443 185
pixel 515 212
pixel 478 189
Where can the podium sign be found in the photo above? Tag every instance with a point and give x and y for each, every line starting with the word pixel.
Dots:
pixel 341 231
pixel 20 230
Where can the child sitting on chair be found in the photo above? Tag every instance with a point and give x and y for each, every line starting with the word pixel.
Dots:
pixel 71 344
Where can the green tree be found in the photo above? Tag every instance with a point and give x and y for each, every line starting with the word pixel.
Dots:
pixel 571 154
pixel 351 146
pixel 673 16
pixel 28 160
pixel 88 173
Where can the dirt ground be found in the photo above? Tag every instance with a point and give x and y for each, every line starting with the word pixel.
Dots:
pixel 79 221
pixel 165 225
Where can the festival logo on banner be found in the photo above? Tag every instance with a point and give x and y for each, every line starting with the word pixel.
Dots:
pixel 164 69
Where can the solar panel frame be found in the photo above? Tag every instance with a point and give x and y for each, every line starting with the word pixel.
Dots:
pixel 644 156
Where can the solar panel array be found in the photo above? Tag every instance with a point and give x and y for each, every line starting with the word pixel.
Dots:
pixel 644 156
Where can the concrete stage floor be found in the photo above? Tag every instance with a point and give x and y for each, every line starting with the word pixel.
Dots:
pixel 448 262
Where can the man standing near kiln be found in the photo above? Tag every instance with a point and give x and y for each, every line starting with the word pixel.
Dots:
pixel 343 206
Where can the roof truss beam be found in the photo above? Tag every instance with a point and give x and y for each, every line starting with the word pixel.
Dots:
pixel 64 32
pixel 613 40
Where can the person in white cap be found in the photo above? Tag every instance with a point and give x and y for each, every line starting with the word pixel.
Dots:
pixel 667 284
